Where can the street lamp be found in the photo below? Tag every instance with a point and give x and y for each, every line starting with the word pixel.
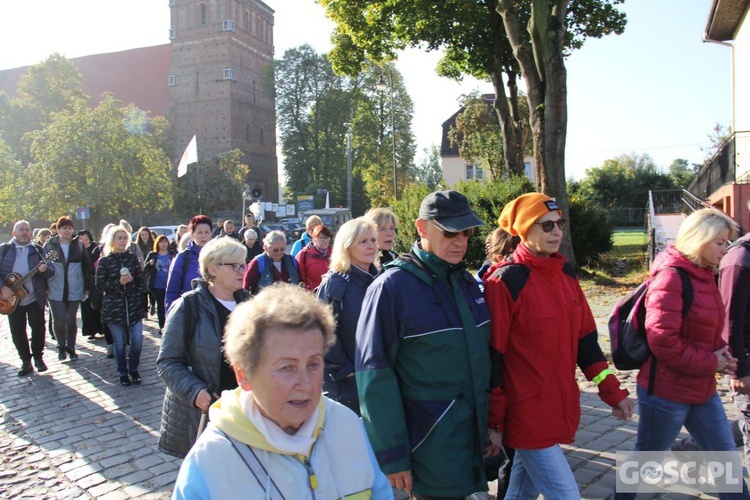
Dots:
pixel 381 86
pixel 348 165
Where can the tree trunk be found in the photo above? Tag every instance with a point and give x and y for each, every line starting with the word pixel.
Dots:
pixel 512 152
pixel 543 69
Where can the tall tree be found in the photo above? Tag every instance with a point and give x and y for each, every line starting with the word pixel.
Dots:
pixel 429 171
pixel 497 39
pixel 89 157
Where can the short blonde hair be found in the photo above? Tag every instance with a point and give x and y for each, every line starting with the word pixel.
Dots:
pixel 699 229
pixel 381 216
pixel 273 237
pixel 109 239
pixel 217 250
pixel 280 306
pixel 312 221
pixel 349 234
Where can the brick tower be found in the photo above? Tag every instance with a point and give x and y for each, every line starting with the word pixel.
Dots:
pixel 221 56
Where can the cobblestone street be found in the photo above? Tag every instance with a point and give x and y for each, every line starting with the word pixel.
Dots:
pixel 74 432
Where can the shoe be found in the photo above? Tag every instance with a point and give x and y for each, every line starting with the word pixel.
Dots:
pixel 25 369
pixel 110 351
pixel 62 353
pixel 136 377
pixel 72 354
pixel 153 309
pixel 91 338
pixel 39 363
pixel 124 380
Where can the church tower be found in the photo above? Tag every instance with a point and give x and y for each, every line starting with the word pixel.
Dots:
pixel 220 69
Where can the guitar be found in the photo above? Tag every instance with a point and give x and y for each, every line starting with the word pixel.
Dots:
pixel 16 283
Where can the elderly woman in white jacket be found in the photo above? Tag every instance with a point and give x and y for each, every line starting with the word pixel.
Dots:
pixel 276 436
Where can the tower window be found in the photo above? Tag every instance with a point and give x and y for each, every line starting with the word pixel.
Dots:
pixel 203 14
pixel 262 136
pixel 172 34
pixel 170 80
pixel 228 74
pixel 227 25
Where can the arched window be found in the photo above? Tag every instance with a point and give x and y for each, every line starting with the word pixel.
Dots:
pixel 203 14
pixel 262 136
pixel 247 132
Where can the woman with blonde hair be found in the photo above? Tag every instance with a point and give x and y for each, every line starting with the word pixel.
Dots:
pixel 387 222
pixel 353 268
pixel 677 384
pixel 120 277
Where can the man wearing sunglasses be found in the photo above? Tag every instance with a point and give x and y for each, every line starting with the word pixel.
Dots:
pixel 422 359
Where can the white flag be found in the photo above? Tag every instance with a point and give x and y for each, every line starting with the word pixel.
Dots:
pixel 328 203
pixel 189 156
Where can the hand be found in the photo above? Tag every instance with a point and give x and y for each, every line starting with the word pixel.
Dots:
pixel 6 292
pixel 740 385
pixel 203 400
pixel 624 409
pixel 725 363
pixel 494 446
pixel 124 280
pixel 42 268
pixel 401 480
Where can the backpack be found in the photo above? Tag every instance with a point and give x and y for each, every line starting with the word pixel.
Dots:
pixel 627 326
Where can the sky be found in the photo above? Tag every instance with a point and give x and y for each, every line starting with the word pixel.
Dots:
pixel 658 89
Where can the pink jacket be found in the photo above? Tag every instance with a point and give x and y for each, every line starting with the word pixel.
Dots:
pixel 684 349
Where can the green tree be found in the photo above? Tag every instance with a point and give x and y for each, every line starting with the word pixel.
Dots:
pixel 681 173
pixel 50 87
pixel 429 171
pixel 10 196
pixel 313 106
pixel 501 40
pixel 88 157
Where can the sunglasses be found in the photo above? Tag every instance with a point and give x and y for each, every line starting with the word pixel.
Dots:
pixel 549 225
pixel 235 267
pixel 450 234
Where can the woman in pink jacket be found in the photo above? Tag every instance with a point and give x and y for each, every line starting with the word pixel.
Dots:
pixel 687 352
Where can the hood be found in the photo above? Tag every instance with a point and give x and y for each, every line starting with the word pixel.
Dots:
pixel 671 257
pixel 228 416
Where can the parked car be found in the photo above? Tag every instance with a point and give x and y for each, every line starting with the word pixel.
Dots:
pixel 291 221
pixel 267 227
pixel 168 231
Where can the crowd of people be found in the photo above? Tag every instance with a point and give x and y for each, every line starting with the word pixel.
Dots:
pixel 427 372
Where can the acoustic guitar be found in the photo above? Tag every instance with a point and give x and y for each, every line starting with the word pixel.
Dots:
pixel 16 282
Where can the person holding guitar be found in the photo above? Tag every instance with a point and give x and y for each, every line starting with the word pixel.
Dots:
pixel 23 295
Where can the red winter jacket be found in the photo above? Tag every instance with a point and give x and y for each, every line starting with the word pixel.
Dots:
pixel 684 349
pixel 542 335
pixel 313 265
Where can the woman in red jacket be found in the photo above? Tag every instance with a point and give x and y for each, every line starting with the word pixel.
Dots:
pixel 542 327
pixel 687 352
pixel 314 259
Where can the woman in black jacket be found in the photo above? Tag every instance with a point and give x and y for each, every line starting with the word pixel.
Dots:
pixel 353 267
pixel 120 277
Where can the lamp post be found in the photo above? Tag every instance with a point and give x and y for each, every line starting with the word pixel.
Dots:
pixel 348 165
pixel 381 86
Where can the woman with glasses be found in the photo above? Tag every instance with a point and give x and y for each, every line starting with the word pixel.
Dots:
pixel 314 259
pixel 387 223
pixel 190 359
pixel 119 277
pixel 353 269
pixel 272 265
pixel 542 327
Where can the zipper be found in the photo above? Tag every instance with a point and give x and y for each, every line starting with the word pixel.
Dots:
pixel 312 479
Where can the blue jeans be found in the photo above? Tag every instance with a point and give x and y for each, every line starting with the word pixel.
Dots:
pixel 544 471
pixel 660 421
pixel 136 343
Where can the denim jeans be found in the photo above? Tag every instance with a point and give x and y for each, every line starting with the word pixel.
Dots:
pixel 660 421
pixel 544 471
pixel 136 343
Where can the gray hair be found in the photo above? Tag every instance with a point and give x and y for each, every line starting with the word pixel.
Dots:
pixel 273 237
pixel 218 250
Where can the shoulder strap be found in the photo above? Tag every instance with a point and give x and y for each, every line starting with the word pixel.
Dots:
pixel 190 321
pixel 687 290
pixel 256 468
pixel 185 263
pixel 514 276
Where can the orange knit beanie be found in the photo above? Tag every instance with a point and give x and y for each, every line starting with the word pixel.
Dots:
pixel 520 214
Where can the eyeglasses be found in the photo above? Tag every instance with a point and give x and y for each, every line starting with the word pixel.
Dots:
pixel 468 233
pixel 235 267
pixel 323 238
pixel 549 225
